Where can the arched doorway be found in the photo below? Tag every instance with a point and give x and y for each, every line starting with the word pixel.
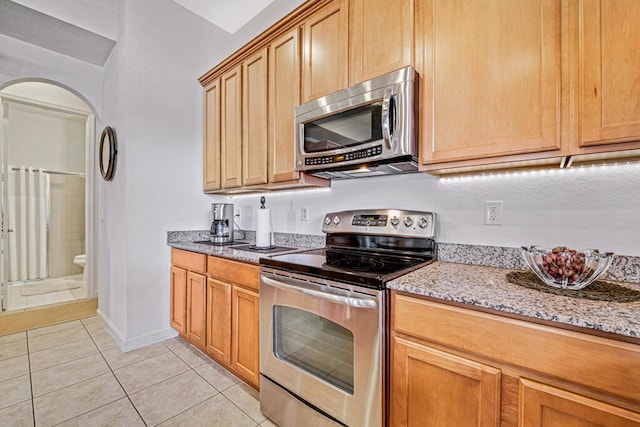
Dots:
pixel 47 199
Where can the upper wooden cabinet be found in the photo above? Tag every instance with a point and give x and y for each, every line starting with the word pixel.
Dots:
pixel 231 128
pixel 490 78
pixel 211 158
pixel 381 37
pixel 254 119
pixel 608 91
pixel 325 53
pixel 284 96
pixel 502 83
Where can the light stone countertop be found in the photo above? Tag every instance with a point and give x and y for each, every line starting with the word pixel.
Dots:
pixel 186 240
pixel 487 287
pixel 220 251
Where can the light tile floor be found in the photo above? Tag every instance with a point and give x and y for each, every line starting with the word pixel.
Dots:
pixel 73 374
pixel 17 301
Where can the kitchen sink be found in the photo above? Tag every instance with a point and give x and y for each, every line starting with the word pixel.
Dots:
pixel 267 250
pixel 210 243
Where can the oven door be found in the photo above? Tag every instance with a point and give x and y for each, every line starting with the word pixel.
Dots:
pixel 322 342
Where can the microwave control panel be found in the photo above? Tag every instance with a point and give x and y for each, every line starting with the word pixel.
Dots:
pixel 338 158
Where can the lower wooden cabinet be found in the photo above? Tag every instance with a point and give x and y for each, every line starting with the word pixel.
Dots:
pixel 188 295
pixel 246 334
pixel 232 320
pixel 196 309
pixel 178 299
pixel 215 306
pixel 457 366
pixel 542 405
pixel 434 388
pixel 219 320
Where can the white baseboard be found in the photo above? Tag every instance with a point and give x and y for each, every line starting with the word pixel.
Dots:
pixel 128 344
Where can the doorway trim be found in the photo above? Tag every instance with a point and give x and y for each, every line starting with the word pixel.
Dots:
pixel 91 185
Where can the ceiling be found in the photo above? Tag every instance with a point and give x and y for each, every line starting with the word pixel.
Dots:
pixel 228 15
pixel 75 28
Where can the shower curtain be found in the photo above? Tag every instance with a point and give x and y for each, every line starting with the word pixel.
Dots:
pixel 27 191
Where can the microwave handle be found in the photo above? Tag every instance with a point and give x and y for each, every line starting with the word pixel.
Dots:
pixel 340 299
pixel 387 116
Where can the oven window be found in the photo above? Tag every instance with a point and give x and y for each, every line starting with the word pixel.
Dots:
pixel 348 128
pixel 314 344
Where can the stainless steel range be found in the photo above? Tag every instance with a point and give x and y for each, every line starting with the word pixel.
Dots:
pixel 324 317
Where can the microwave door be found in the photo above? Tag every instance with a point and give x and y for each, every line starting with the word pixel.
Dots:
pixel 353 127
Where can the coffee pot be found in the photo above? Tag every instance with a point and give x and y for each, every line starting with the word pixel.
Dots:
pixel 222 223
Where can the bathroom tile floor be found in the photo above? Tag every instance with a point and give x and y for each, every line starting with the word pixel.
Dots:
pixel 73 374
pixel 17 301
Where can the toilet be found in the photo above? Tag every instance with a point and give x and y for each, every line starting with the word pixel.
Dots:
pixel 81 260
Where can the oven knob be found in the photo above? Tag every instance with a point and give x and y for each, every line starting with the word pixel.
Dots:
pixel 394 221
pixel 327 221
pixel 423 222
pixel 336 220
pixel 408 222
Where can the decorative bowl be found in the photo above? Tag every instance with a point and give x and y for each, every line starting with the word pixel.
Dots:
pixel 566 268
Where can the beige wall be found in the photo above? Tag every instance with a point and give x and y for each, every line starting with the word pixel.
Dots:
pixel 66 224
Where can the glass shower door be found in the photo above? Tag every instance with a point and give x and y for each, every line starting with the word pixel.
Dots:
pixel 4 230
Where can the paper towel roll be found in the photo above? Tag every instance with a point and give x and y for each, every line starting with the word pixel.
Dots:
pixel 263 228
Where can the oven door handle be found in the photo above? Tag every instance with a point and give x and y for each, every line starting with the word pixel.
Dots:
pixel 340 299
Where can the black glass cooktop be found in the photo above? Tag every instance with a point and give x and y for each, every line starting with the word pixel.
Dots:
pixel 371 269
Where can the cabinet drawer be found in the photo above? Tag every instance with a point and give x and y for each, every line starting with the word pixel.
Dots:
pixel 241 273
pixel 608 366
pixel 189 260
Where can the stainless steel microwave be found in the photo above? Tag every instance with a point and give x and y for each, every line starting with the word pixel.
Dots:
pixel 366 130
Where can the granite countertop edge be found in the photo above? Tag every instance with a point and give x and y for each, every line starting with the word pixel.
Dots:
pixel 487 288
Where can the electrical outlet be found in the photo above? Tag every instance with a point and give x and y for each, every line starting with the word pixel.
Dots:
pixel 493 213
pixel 304 213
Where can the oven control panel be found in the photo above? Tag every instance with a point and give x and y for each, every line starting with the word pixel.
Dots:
pixel 390 222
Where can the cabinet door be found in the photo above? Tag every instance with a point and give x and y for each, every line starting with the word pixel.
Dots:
pixel 196 309
pixel 254 119
pixel 284 96
pixel 325 54
pixel 544 406
pixel 178 299
pixel 211 152
pixel 246 338
pixel 380 37
pixel 490 78
pixel 433 388
pixel 610 57
pixel 231 128
pixel 219 320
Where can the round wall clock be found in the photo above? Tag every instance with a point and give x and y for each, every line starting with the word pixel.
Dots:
pixel 108 153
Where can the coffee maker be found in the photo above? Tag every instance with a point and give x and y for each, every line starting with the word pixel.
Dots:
pixel 222 223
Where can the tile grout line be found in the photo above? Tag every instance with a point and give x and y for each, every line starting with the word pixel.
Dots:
pixel 33 405
pixel 195 372
pixel 219 391
pixel 188 346
pixel 116 378
pixel 88 379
